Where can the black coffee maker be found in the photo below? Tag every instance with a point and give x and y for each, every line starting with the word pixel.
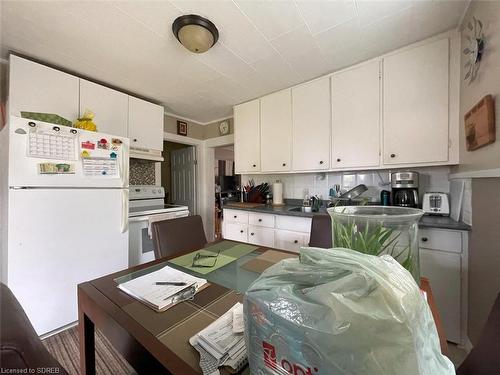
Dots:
pixel 404 189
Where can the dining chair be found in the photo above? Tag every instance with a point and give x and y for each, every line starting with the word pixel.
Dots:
pixel 484 357
pixel 321 231
pixel 174 236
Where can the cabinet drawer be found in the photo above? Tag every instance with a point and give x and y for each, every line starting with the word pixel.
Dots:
pixel 443 240
pixel 236 232
pixel 296 224
pixel 261 236
pixel 291 241
pixel 261 220
pixel 236 216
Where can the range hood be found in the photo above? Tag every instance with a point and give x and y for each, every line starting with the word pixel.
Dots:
pixel 145 153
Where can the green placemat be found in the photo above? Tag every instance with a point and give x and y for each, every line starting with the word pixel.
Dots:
pixel 229 252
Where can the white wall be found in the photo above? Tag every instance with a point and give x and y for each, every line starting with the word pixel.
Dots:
pixel 431 179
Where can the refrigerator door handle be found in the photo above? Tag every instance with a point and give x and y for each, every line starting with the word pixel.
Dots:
pixel 124 167
pixel 124 216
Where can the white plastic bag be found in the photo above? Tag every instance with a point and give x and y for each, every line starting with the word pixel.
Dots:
pixel 337 311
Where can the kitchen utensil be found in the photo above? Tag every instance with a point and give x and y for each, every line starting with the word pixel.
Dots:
pixel 354 192
pixel 436 204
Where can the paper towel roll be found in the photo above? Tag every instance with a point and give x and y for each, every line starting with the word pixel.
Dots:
pixel 277 193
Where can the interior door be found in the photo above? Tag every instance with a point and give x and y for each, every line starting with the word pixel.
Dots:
pixel 183 174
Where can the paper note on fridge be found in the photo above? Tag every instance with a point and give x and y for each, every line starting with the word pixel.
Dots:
pixel 100 167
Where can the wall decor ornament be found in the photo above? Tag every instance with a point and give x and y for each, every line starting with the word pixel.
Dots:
pixel 475 49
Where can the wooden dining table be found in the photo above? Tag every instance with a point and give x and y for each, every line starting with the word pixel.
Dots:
pixel 158 343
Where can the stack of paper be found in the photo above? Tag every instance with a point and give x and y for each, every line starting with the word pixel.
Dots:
pixel 161 297
pixel 222 343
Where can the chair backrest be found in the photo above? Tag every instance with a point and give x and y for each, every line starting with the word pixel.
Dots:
pixel 321 232
pixel 484 357
pixel 174 236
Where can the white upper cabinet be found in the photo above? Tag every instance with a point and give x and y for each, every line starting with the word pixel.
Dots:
pixel 247 137
pixel 37 88
pixel 110 107
pixel 145 124
pixel 356 117
pixel 311 110
pixel 276 131
pixel 416 87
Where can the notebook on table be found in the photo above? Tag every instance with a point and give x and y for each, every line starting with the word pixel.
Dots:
pixel 161 297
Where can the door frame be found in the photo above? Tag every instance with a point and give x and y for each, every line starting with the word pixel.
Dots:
pixel 204 174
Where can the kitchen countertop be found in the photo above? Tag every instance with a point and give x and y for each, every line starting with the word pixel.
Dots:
pixel 427 221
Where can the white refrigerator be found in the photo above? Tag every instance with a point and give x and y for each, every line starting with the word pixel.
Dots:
pixel 67 215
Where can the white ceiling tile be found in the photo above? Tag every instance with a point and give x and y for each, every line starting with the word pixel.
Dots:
pixel 273 18
pixel 158 16
pixel 321 15
pixel 224 61
pixel 370 11
pixel 129 44
pixel 388 34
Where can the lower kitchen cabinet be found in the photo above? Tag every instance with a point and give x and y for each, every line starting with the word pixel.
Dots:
pixel 291 241
pixel 236 232
pixel 443 260
pixel 261 236
pixel 278 231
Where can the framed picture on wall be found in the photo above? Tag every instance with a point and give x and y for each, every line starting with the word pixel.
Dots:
pixel 182 128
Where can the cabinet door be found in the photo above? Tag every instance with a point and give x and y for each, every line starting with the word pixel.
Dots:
pixel 247 137
pixel 261 236
pixel 276 131
pixel 416 105
pixel 356 117
pixel 37 88
pixel 145 124
pixel 443 271
pixel 236 232
pixel 291 241
pixel 110 107
pixel 311 110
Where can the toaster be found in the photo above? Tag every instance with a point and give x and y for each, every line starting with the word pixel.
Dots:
pixel 436 204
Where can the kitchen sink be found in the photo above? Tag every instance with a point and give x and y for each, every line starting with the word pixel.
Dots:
pixel 297 209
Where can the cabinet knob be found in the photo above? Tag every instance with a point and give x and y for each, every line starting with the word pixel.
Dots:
pixel 296 241
pixel 393 155
pixel 251 234
pixel 235 216
pixel 260 220
pixel 424 239
pixel 241 231
pixel 135 139
pixel 284 164
pixel 338 160
pixel 254 165
pixel 321 161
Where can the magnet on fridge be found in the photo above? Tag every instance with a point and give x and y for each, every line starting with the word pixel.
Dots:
pixel 85 154
pixel 88 145
pixel 113 155
pixel 116 141
pixel 103 144
pixel 104 173
pixel 114 148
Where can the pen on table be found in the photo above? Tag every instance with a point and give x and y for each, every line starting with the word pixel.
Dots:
pixel 174 283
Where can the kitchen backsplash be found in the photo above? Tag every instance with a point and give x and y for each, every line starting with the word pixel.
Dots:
pixel 142 172
pixel 294 185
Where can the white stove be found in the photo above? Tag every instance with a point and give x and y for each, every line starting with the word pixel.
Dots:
pixel 146 204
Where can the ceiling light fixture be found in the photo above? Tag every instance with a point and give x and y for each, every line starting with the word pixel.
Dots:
pixel 195 33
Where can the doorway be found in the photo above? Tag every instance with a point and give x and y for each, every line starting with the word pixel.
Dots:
pixel 178 174
pixel 227 183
